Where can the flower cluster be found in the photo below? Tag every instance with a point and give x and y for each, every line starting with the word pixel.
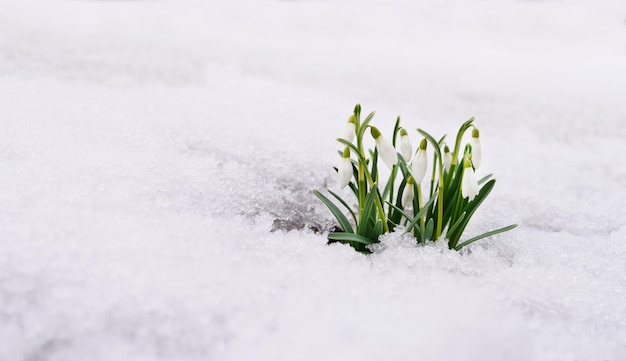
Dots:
pixel 440 209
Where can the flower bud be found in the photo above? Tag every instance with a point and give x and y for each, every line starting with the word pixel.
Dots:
pixel 406 148
pixel 386 151
pixel 345 169
pixel 348 133
pixel 420 162
pixel 469 183
pixel 408 194
pixel 447 158
pixel 476 149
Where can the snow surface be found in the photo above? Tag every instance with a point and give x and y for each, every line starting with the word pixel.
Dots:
pixel 153 154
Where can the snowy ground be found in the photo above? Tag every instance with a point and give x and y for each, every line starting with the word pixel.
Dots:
pixel 150 149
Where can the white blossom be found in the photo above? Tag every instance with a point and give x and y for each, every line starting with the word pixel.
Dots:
pixel 469 183
pixel 476 149
pixel 350 130
pixel 420 163
pixel 408 194
pixel 406 148
pixel 345 169
pixel 447 158
pixel 386 151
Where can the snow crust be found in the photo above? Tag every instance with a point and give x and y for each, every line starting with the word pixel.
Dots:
pixel 156 162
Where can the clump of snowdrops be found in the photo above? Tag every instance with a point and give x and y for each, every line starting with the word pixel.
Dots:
pixel 432 206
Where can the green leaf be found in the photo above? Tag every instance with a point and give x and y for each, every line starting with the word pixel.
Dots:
pixel 456 225
pixel 395 216
pixel 353 148
pixel 413 220
pixel 374 171
pixel 396 129
pixel 369 212
pixel 470 209
pixel 344 204
pixel 487 234
pixel 378 230
pixel 428 232
pixel 349 237
pixel 364 125
pixel 343 221
pixel 485 178
pixel 400 211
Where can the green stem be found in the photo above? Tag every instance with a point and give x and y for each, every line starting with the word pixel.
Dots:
pixel 459 136
pixel 419 203
pixel 439 208
pixel 381 212
pixel 440 163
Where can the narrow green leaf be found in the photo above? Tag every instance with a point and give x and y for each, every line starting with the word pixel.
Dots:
pixel 352 148
pixel 369 212
pixel 456 225
pixel 413 220
pixel 428 232
pixel 487 234
pixel 470 209
pixel 485 178
pixel 396 129
pixel 374 171
pixel 400 211
pixel 378 229
pixel 349 237
pixel 344 204
pixel 364 125
pixel 343 221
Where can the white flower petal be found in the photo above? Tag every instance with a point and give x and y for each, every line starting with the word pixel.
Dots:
pixel 407 196
pixel 349 132
pixel 386 151
pixel 345 172
pixel 477 153
pixel 447 161
pixel 405 147
pixel 419 166
pixel 469 184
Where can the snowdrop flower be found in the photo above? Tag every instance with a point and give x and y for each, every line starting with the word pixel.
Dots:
pixel 476 150
pixel 348 133
pixel 447 158
pixel 469 183
pixel 386 151
pixel 420 162
pixel 409 193
pixel 345 169
pixel 405 145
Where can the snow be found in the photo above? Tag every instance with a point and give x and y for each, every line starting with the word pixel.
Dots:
pixel 157 159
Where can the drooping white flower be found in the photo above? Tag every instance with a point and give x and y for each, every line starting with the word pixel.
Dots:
pixel 406 148
pixel 408 194
pixel 447 158
pixel 477 153
pixel 386 151
pixel 469 183
pixel 349 132
pixel 420 162
pixel 345 169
